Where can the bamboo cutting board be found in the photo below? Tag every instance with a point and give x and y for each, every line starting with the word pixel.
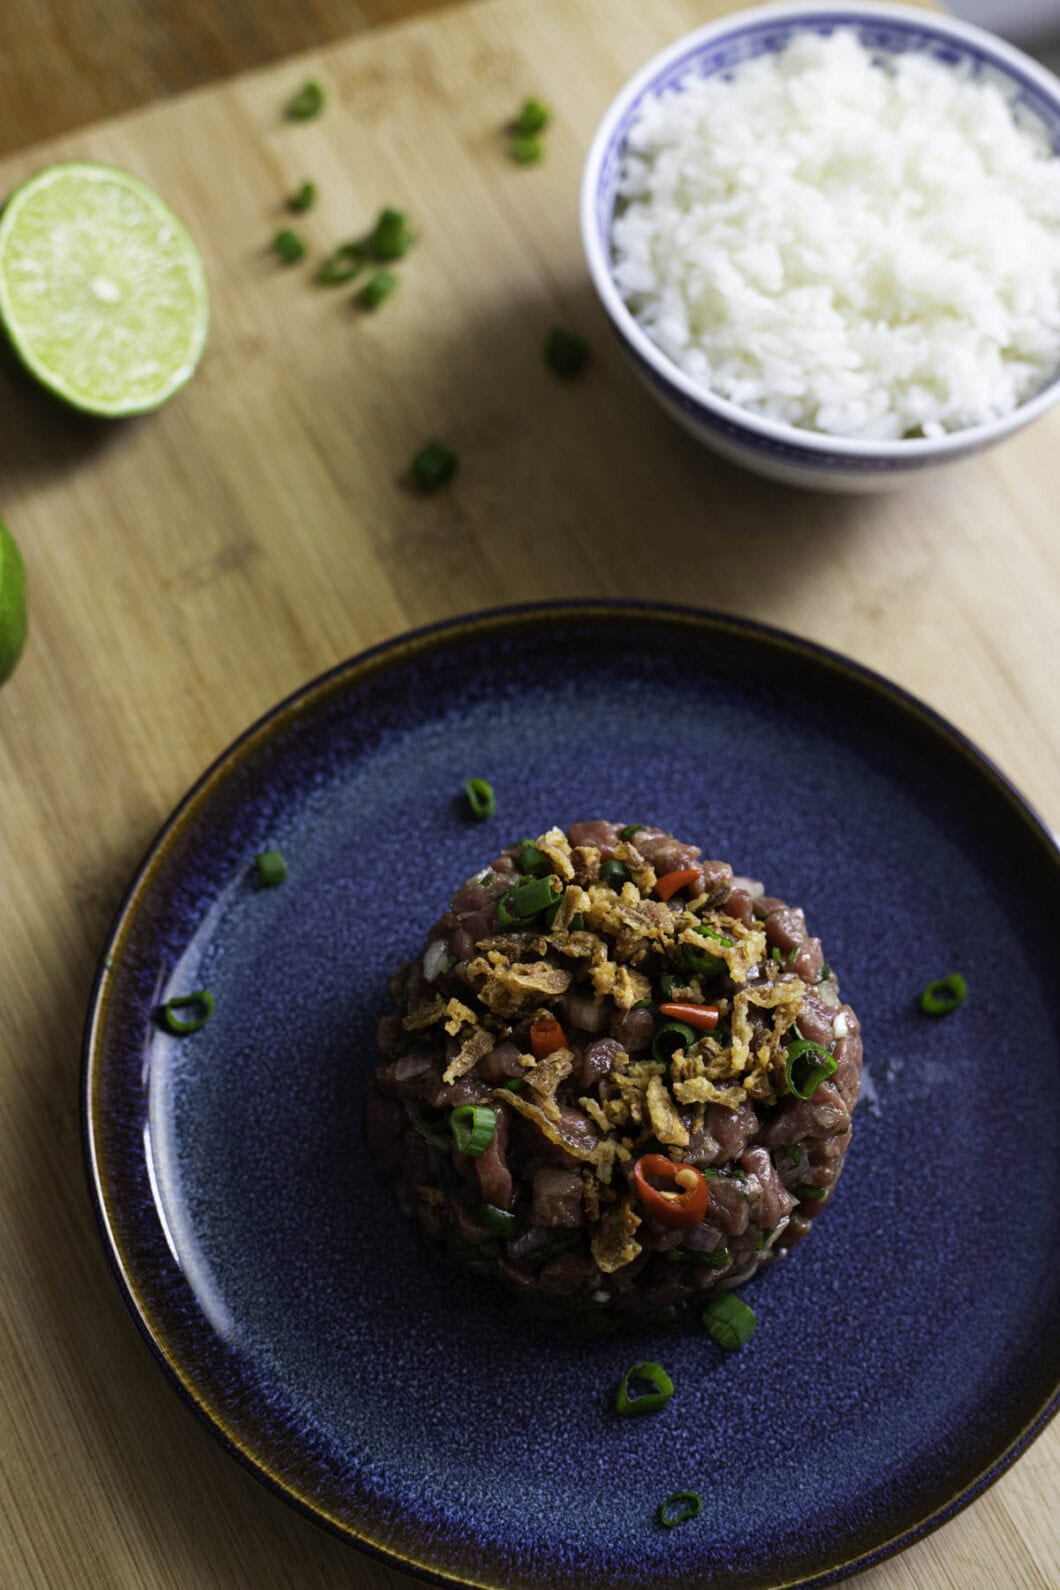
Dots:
pixel 190 568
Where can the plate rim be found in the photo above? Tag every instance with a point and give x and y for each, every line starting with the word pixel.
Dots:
pixel 362 665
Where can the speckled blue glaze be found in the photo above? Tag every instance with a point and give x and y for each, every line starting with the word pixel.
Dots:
pixel 903 1354
pixel 717 50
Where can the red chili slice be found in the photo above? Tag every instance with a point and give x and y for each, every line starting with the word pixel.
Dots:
pixel 685 1205
pixel 705 1017
pixel 670 882
pixel 546 1036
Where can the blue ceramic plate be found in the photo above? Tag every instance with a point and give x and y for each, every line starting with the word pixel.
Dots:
pixel 903 1357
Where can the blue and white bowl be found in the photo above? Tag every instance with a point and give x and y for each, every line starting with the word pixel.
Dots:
pixel 786 452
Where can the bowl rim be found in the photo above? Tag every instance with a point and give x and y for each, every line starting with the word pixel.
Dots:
pixel 1012 62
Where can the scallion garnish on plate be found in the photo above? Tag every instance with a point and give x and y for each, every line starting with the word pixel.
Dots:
pixel 201 1002
pixel 679 1508
pixel 729 1320
pixel 645 1401
pixel 944 995
pixel 271 867
pixel 480 798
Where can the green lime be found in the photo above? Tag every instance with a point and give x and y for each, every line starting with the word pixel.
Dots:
pixel 13 621
pixel 102 291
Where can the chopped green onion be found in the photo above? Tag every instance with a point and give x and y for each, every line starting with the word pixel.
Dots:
pixel 567 354
pixel 793 954
pixel 377 289
pixel 530 859
pixel 472 1126
pixel 810 1194
pixel 804 1073
pixel 614 874
pixel 629 830
pixel 527 149
pixel 642 1004
pixel 515 1084
pixel 480 798
pixel 533 117
pixel 700 960
pixel 729 1320
pixel 774 955
pixel 736 1173
pixel 577 923
pixel 710 933
pixel 498 1220
pixel 272 868
pixel 525 901
pixel 795 1155
pixel 309 101
pixel 671 1036
pixel 763 1239
pixel 303 198
pixel 288 246
pixel 826 972
pixel 647 1401
pixel 201 1001
pixel 390 238
pixel 713 1261
pixel 434 1132
pixel 679 1508
pixel 718 1259
pixel 434 466
pixel 942 997
pixel 667 984
pixel 342 265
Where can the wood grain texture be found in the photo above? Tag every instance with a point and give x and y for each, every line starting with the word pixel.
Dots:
pixel 188 569
pixel 64 63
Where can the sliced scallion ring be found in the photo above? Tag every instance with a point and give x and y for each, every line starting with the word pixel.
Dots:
pixel 806 1067
pixel 525 901
pixel 944 995
pixel 531 861
pixel 645 1401
pixel 472 1126
pixel 201 1002
pixel 669 1037
pixel 679 1508
pixel 480 798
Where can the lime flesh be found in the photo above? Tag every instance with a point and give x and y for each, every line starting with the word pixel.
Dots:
pixel 102 291
pixel 13 622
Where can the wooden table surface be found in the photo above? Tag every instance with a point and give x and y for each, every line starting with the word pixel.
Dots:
pixel 188 569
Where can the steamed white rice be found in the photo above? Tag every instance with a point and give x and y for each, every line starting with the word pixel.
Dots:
pixel 871 250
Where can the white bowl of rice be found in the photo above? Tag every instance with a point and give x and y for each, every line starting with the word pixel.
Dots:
pixel 828 238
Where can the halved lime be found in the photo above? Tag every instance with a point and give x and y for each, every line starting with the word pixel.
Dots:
pixel 13 621
pixel 102 291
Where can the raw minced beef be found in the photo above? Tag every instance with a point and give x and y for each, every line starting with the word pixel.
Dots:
pixel 626 1158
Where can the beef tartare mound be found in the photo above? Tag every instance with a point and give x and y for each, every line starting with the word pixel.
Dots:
pixel 618 1078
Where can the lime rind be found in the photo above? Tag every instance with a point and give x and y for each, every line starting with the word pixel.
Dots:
pixel 102 290
pixel 13 610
